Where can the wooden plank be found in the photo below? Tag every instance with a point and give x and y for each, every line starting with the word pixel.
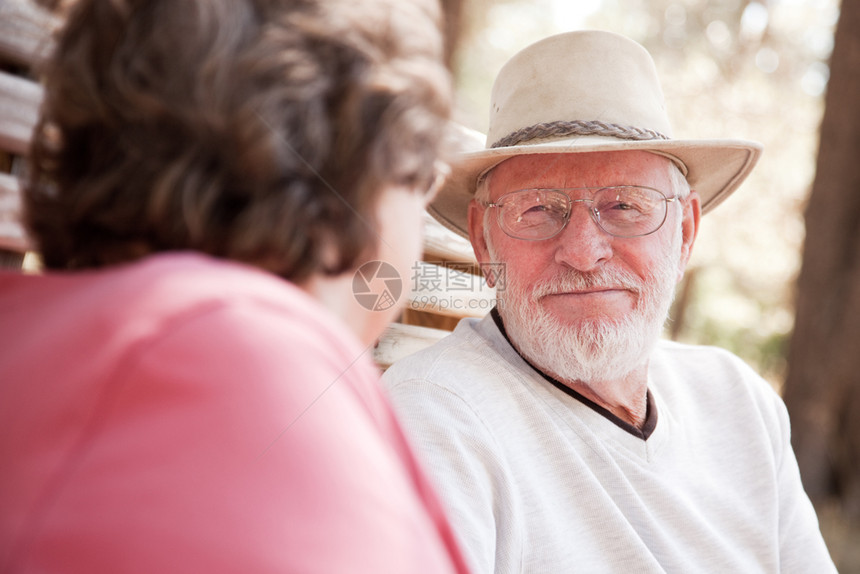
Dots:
pixel 25 32
pixel 441 244
pixel 12 237
pixel 19 111
pixel 447 290
pixel 400 340
pixel 422 319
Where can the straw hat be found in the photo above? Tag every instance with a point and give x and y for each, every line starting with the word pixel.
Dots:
pixel 581 92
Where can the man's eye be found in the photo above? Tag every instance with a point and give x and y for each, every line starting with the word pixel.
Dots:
pixel 535 209
pixel 621 206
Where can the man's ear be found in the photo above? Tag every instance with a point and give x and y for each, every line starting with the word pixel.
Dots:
pixel 692 213
pixel 476 235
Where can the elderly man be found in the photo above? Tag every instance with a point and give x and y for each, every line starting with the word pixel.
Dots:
pixel 564 435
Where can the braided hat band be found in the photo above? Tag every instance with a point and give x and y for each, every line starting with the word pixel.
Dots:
pixel 577 128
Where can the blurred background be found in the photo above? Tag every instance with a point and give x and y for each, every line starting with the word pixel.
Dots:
pixel 775 274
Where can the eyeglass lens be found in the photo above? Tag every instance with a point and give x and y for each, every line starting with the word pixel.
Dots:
pixel 623 211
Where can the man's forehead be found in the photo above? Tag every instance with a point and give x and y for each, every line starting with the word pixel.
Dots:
pixel 579 169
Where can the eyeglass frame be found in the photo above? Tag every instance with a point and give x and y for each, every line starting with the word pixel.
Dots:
pixel 593 213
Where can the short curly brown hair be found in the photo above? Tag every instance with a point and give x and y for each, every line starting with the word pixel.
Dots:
pixel 255 130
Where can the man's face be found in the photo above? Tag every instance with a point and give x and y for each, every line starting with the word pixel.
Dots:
pixel 584 305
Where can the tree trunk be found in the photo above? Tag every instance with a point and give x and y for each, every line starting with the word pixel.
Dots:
pixel 822 389
pixel 451 28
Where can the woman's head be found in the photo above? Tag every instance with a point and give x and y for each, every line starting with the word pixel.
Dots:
pixel 256 130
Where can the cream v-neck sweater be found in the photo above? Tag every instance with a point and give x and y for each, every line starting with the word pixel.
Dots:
pixel 537 481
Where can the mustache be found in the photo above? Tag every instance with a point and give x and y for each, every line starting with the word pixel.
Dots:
pixel 574 280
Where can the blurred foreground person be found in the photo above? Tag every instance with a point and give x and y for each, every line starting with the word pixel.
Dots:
pixel 565 436
pixel 189 387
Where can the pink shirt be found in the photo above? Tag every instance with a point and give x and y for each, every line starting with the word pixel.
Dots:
pixel 185 414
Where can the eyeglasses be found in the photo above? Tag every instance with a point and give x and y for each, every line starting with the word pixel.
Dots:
pixel 621 210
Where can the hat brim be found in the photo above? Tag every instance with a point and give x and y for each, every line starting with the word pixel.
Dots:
pixel 715 168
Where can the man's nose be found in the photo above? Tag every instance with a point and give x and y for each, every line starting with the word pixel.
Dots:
pixel 582 244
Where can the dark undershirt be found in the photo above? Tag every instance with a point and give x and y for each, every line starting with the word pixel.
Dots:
pixel 650 409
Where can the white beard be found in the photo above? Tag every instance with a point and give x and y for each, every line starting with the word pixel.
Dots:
pixel 597 351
